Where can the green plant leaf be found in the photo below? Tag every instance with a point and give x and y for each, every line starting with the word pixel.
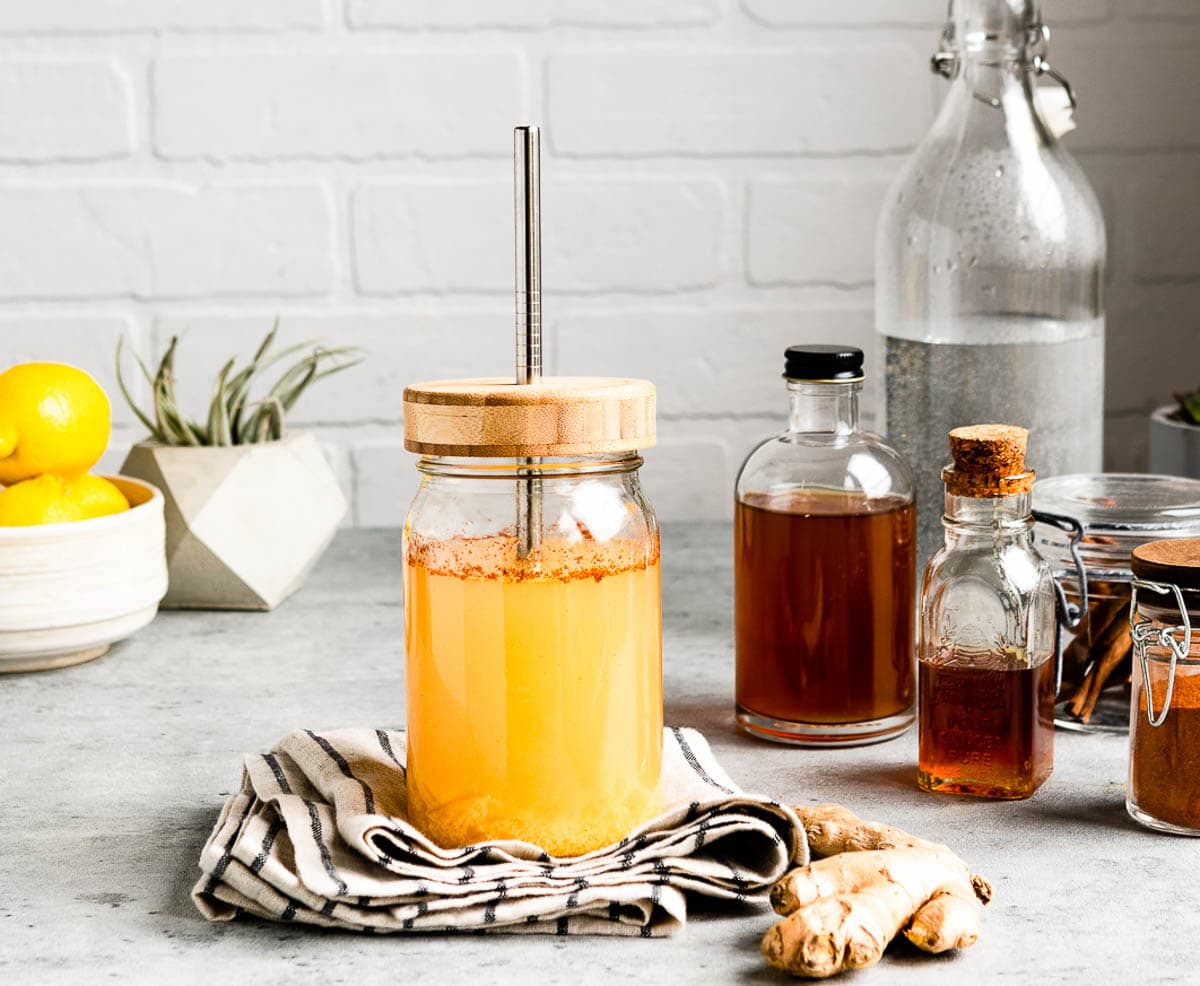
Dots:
pixel 269 425
pixel 233 419
pixel 1189 407
pixel 218 411
pixel 141 415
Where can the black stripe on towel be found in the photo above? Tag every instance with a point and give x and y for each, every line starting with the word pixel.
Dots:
pixel 690 756
pixel 268 840
pixel 344 767
pixel 319 837
pixel 561 926
pixel 225 859
pixel 655 897
pixel 385 744
pixel 738 881
pixel 289 912
pixel 277 770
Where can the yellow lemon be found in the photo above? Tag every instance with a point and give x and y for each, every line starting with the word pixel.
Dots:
pixel 54 418
pixel 43 500
pixel 96 496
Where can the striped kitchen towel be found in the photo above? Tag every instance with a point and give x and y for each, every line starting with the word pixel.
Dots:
pixel 318 834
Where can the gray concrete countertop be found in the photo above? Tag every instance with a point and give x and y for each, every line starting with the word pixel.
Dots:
pixel 111 775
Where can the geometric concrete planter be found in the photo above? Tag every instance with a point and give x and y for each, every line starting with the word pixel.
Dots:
pixel 1174 444
pixel 245 523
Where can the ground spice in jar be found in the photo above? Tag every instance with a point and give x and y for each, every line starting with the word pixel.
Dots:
pixel 1164 767
pixel 1165 760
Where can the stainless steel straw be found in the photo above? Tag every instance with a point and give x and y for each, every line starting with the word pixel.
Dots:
pixel 527 175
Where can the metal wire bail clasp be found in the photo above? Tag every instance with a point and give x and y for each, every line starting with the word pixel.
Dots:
pixel 1144 633
pixel 1039 42
pixel 947 61
pixel 1070 615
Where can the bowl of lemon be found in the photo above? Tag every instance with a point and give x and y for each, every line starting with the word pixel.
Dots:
pixel 82 557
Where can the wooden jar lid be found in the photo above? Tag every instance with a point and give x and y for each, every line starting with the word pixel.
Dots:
pixel 555 416
pixel 1175 561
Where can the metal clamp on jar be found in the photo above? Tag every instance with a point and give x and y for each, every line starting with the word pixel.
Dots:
pixel 532 610
pixel 1098 519
pixel 1164 719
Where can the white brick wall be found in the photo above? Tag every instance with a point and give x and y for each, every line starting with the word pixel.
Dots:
pixel 712 173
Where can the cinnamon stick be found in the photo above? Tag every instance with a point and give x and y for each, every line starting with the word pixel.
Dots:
pixel 1114 647
pixel 1083 651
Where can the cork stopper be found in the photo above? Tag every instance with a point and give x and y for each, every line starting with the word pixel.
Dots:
pixel 1175 562
pixel 553 417
pixel 989 461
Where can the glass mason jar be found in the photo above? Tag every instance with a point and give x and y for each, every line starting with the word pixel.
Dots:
pixel 533 632
pixel 987 629
pixel 1164 712
pixel 824 568
pixel 1105 516
pixel 989 264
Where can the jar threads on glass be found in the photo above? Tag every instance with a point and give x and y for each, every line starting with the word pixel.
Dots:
pixel 1164 712
pixel 532 612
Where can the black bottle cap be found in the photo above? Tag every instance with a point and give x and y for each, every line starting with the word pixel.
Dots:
pixel 818 362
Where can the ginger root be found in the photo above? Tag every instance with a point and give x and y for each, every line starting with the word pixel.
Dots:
pixel 874 882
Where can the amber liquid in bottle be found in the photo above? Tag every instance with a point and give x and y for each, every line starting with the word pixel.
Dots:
pixel 987 725
pixel 825 603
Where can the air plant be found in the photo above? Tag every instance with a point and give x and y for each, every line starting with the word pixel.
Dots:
pixel 233 418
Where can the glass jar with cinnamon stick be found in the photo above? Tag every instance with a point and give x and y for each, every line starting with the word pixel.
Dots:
pixel 1164 719
pixel 1113 513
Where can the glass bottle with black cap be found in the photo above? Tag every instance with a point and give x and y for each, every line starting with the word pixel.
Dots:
pixel 825 568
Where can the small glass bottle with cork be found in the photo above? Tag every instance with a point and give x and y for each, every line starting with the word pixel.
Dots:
pixel 987 663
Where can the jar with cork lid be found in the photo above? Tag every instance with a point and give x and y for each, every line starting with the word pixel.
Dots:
pixel 1164 719
pixel 986 667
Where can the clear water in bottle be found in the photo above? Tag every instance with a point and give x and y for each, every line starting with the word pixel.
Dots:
pixel 1050 386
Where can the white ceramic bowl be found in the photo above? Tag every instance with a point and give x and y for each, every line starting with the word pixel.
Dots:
pixel 68 591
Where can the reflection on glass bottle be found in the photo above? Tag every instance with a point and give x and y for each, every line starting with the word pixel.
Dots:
pixel 990 263
pixel 986 652
pixel 825 568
